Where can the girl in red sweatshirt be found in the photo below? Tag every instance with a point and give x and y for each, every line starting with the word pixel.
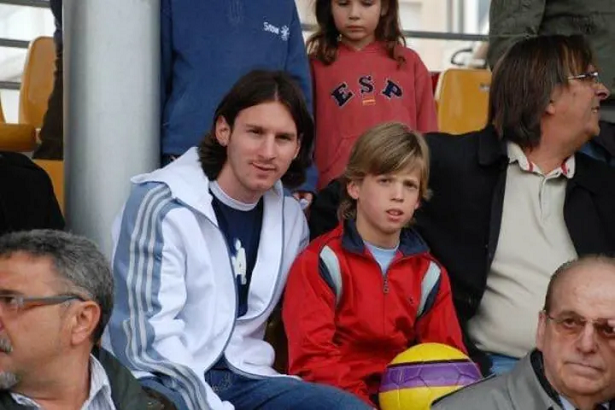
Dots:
pixel 363 75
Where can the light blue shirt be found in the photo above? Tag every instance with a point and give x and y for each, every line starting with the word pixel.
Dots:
pixel 98 399
pixel 569 406
pixel 383 256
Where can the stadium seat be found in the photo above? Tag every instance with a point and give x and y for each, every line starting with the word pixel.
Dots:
pixel 37 81
pixel 55 170
pixel 16 137
pixel 462 97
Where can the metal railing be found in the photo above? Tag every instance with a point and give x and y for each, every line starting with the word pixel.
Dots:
pixel 7 42
pixel 430 35
pixel 29 3
pixel 12 43
pixel 23 44
pixel 10 85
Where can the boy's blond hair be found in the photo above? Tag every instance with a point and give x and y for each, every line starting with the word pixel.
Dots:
pixel 386 148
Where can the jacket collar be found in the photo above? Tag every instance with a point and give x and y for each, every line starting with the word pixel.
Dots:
pixel 537 364
pixel 410 242
pixel 592 176
pixel 189 184
pixel 539 370
pixel 491 148
pixel 526 384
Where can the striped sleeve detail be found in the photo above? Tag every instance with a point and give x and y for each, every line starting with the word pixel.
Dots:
pixel 137 270
pixel 329 268
pixel 430 286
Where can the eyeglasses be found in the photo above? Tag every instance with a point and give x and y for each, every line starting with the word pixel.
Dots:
pixel 592 76
pixel 17 303
pixel 574 325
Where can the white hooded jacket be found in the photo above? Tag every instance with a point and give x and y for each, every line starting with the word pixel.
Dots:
pixel 176 298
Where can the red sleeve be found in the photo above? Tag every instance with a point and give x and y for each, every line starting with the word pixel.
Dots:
pixel 440 323
pixel 309 320
pixel 427 120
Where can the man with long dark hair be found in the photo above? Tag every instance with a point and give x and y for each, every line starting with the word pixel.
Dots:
pixel 515 200
pixel 202 252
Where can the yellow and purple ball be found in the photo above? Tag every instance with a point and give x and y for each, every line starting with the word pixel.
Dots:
pixel 423 373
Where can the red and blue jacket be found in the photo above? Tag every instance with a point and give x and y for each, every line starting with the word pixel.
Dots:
pixel 346 320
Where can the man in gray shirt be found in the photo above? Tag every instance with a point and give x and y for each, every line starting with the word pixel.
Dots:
pixel 573 366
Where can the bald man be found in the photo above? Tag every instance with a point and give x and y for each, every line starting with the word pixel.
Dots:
pixel 573 365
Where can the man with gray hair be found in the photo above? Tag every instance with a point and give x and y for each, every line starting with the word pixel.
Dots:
pixel 573 365
pixel 56 296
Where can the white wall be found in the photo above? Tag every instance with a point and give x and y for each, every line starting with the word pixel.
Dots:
pixel 26 23
pixel 19 23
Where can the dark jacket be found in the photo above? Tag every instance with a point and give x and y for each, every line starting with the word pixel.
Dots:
pixel 523 388
pixel 461 222
pixel 27 200
pixel 126 391
pixel 56 10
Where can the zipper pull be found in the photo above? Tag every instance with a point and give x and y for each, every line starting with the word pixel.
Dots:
pixel 385 288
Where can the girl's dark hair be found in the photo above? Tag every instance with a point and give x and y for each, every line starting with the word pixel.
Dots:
pixel 254 88
pixel 323 44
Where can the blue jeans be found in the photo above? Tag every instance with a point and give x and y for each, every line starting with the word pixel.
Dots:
pixel 501 363
pixel 279 393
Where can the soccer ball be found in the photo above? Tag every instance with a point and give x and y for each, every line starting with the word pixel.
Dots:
pixel 423 373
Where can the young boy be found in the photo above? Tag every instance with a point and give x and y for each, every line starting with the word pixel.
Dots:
pixel 368 290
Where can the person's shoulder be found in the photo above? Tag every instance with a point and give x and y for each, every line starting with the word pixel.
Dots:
pixel 18 162
pixel 442 144
pixel 595 166
pixel 147 190
pixel 412 242
pixel 595 175
pixel 412 59
pixel 479 395
pixel 126 390
pixel 408 53
pixel 292 207
pixel 18 168
pixel 153 201
pixel 458 138
pixel 324 247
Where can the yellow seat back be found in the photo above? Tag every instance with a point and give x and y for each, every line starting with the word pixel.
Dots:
pixel 37 81
pixel 2 120
pixel 55 170
pixel 16 137
pixel 462 96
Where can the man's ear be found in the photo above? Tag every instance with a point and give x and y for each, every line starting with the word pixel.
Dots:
pixel 540 331
pixel 298 148
pixel 223 131
pixel 555 95
pixel 84 321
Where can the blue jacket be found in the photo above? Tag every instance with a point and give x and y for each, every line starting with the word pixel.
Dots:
pixel 207 45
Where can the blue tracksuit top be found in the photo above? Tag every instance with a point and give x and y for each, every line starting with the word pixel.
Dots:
pixel 207 45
